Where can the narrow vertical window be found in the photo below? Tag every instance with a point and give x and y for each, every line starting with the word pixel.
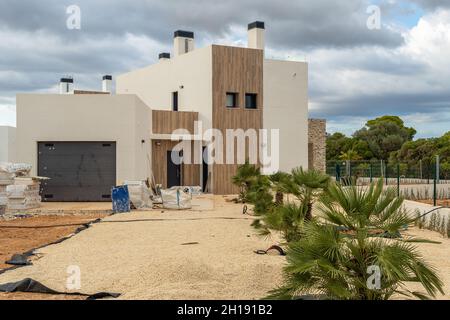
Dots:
pixel 175 101
pixel 186 45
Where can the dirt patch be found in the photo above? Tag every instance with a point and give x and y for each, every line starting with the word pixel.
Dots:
pixel 21 235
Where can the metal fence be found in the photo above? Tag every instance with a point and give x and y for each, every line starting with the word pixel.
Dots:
pixel 419 180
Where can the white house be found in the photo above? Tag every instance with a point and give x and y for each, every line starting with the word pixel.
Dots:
pixel 87 141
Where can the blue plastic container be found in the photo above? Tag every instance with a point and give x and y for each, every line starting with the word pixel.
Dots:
pixel 120 199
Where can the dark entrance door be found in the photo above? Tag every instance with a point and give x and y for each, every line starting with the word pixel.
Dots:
pixel 78 171
pixel 173 169
pixel 204 168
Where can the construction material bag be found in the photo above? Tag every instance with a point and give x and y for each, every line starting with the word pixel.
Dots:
pixel 176 199
pixel 120 199
pixel 139 194
pixel 193 190
pixel 17 169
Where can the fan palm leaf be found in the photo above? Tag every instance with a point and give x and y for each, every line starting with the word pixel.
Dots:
pixel 335 256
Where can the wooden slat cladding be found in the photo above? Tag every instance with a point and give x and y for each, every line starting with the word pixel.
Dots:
pixel 237 70
pixel 165 122
pixel 191 172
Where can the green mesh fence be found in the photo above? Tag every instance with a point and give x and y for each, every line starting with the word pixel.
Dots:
pixel 420 180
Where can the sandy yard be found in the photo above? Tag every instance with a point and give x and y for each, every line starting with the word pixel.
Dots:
pixel 144 255
pixel 162 254
pixel 21 235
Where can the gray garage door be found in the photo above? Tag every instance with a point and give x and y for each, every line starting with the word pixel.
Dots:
pixel 78 171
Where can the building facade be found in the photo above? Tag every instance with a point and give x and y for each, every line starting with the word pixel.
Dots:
pixel 86 141
pixel 230 88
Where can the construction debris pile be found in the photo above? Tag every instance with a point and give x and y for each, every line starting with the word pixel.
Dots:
pixel 18 191
pixel 24 194
pixel 6 179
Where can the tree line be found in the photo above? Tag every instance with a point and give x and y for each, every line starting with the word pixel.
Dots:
pixel 387 138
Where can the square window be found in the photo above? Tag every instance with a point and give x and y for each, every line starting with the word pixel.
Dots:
pixel 251 101
pixel 232 100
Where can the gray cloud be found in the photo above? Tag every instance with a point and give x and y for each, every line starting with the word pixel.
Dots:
pixel 433 4
pixel 374 105
pixel 48 49
pixel 116 36
pixel 292 24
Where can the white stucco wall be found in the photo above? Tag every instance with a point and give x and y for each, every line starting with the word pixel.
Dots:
pixel 7 144
pixel 286 108
pixel 154 84
pixel 124 119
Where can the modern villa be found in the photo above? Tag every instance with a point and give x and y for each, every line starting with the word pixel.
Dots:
pixel 89 141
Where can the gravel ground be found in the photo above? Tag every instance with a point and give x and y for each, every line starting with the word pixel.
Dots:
pixel 142 256
pixel 21 235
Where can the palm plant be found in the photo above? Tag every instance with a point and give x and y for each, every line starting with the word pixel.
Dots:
pixel 350 155
pixel 307 186
pixel 260 195
pixel 279 181
pixel 334 258
pixel 245 176
pixel 287 219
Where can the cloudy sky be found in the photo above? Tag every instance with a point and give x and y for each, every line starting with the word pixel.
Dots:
pixel 355 73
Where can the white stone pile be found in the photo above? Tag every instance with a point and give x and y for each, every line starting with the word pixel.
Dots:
pixel 24 194
pixel 6 179
pixel 18 191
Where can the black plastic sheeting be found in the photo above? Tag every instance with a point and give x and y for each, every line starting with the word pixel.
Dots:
pixel 33 286
pixel 19 260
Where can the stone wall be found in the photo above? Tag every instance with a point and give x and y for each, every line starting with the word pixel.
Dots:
pixel 317 144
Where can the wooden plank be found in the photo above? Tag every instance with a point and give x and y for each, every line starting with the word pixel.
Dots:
pixel 237 70
pixel 165 122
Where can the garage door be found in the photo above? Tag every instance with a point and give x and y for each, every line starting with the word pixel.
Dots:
pixel 78 171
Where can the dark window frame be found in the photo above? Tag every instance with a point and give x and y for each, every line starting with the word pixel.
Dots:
pixel 175 101
pixel 253 105
pixel 235 100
